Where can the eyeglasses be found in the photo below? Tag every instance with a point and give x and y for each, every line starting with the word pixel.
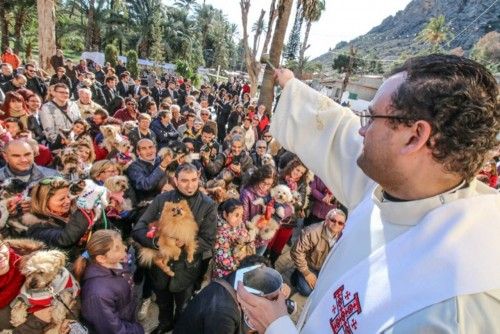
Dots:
pixel 335 221
pixel 365 118
pixel 62 92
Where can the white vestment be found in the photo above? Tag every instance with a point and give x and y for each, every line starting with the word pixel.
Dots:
pixel 324 135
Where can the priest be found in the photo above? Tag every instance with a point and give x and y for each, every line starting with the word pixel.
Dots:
pixel 420 250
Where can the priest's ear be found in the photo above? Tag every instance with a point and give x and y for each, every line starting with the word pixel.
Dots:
pixel 416 137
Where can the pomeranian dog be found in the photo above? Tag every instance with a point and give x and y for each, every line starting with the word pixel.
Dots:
pixel 48 284
pixel 176 228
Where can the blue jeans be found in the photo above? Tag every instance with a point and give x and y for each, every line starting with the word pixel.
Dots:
pixel 300 283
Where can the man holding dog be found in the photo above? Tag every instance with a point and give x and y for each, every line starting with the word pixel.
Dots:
pixel 420 250
pixel 20 164
pixel 172 292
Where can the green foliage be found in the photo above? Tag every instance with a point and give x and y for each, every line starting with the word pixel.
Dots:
pixel 487 51
pixel 292 47
pixel 182 67
pixel 132 63
pixel 341 63
pixel 111 54
pixel 435 33
pixel 156 52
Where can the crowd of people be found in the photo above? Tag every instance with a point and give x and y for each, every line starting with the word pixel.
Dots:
pixel 90 157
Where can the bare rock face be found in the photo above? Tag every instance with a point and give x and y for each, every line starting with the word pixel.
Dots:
pixel 396 34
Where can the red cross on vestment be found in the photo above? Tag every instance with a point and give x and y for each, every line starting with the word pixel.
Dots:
pixel 345 311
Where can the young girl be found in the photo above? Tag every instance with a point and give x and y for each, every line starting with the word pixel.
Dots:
pixel 232 239
pixel 108 305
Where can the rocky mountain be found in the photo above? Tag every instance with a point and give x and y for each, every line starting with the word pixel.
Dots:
pixel 468 20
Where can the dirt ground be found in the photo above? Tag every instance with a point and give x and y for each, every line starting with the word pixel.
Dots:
pixel 284 265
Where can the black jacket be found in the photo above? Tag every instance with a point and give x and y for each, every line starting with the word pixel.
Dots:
pixel 112 100
pixel 205 214
pixel 143 101
pixel 36 129
pixel 56 233
pixel 37 86
pixel 122 91
pixel 212 311
pixel 64 79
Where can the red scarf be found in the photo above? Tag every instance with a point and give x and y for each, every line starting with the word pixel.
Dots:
pixel 11 282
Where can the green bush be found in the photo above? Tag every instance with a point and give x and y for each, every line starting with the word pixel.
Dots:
pixel 133 64
pixel 111 54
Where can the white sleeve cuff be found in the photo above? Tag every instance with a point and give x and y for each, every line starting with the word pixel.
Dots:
pixel 282 325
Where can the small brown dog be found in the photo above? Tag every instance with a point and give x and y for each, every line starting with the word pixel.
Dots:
pixel 48 284
pixel 176 228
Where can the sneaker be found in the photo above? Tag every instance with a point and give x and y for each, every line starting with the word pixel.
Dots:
pixel 143 312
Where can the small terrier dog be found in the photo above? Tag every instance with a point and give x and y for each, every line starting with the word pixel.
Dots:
pixel 176 228
pixel 112 137
pixel 48 284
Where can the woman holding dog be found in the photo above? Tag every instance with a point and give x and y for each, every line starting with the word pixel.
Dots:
pixel 258 187
pixel 294 175
pixel 52 220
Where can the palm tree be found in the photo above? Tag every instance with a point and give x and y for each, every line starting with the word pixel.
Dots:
pixel 46 32
pixel 142 14
pixel 312 10
pixel 435 33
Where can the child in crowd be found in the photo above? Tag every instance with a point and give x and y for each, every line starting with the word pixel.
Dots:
pixel 108 303
pixel 232 242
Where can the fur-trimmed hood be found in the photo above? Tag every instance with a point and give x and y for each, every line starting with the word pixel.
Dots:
pixel 30 219
pixel 25 246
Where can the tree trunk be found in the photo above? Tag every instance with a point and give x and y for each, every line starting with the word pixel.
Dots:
pixel 89 36
pixel 4 25
pixel 256 37
pixel 253 68
pixel 273 13
pixel 267 88
pixel 46 32
pixel 303 50
pixel 18 26
pixel 348 72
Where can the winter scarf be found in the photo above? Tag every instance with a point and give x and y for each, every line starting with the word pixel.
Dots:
pixel 11 282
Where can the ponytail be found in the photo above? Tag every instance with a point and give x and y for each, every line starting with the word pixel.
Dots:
pixel 79 267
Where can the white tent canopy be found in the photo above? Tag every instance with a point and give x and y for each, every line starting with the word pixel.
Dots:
pixel 98 57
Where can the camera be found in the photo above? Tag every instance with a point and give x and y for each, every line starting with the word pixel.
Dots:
pixel 236 160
